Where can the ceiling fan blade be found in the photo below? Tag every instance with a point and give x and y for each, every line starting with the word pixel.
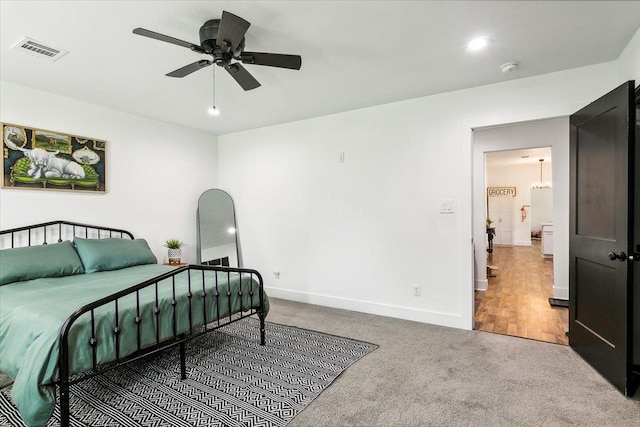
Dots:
pixel 232 30
pixel 167 39
pixel 242 76
pixel 293 62
pixel 188 69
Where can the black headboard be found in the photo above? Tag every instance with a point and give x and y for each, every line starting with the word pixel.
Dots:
pixel 56 231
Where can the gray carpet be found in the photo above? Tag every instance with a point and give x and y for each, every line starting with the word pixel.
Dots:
pixel 425 375
pixel 231 381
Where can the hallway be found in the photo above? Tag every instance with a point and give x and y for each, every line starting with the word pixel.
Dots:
pixel 516 301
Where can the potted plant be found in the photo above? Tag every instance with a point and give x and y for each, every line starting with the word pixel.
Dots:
pixel 489 221
pixel 174 250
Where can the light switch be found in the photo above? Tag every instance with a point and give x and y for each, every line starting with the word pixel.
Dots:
pixel 446 206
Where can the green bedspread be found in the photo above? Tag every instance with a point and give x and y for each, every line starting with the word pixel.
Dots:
pixel 32 314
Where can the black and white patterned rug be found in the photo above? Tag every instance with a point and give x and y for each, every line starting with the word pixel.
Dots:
pixel 231 381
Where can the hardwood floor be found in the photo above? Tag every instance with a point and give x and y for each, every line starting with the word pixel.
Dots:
pixel 516 301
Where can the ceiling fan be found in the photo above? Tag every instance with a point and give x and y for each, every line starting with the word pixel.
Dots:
pixel 223 39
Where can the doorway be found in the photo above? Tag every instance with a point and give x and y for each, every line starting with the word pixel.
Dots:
pixel 520 262
pixel 512 297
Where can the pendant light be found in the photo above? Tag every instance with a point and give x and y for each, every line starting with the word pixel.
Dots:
pixel 541 184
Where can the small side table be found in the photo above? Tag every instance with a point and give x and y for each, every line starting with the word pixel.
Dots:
pixel 182 264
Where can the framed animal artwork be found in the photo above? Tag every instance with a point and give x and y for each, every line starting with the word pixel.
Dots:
pixel 50 160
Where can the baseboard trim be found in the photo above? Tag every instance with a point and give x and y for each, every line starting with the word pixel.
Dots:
pixel 522 243
pixel 482 285
pixel 560 293
pixel 400 312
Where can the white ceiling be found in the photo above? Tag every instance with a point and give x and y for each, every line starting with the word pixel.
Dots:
pixel 528 156
pixel 355 54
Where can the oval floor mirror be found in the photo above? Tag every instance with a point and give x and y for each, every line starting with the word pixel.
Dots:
pixel 217 230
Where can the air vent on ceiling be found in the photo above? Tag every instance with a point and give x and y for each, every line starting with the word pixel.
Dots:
pixel 39 50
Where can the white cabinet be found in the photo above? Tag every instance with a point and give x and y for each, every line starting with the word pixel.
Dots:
pixel 547 239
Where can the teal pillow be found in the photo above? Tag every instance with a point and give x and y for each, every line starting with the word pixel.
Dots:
pixel 36 262
pixel 113 254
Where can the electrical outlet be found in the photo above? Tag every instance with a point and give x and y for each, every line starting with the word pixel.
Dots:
pixel 276 274
pixel 341 157
pixel 416 290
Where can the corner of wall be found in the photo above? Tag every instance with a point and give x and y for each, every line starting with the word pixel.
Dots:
pixel 629 60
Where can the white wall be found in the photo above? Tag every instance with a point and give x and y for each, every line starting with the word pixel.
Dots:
pixel 541 207
pixel 360 234
pixel 629 61
pixel 156 171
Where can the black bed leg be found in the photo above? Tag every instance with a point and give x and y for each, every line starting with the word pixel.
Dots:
pixel 64 405
pixel 262 337
pixel 183 364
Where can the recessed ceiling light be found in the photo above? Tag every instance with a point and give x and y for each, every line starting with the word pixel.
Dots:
pixel 478 43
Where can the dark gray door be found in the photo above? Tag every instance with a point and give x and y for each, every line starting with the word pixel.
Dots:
pixel 601 235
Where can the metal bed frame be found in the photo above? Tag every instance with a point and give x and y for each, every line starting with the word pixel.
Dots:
pixel 66 378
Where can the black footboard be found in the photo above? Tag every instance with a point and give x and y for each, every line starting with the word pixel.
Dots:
pixel 216 295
